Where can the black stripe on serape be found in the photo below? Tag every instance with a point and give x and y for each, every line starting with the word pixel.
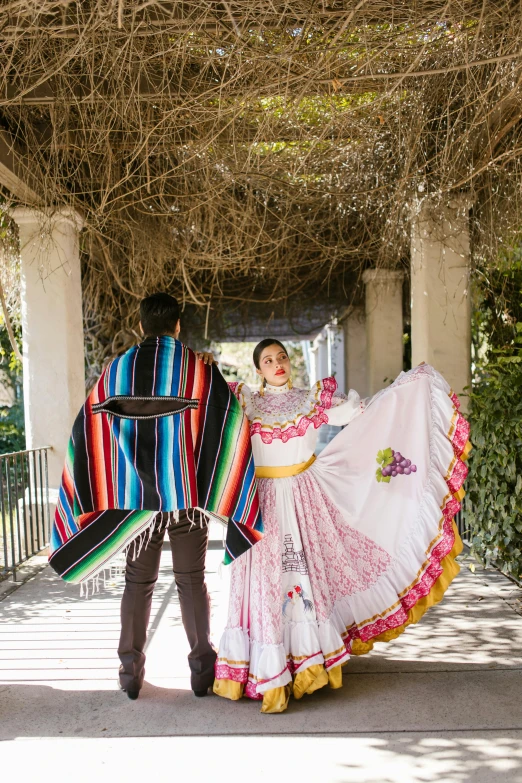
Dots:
pixel 146 461
pixel 217 409
pixel 239 539
pixel 144 368
pixel 83 542
pixel 81 475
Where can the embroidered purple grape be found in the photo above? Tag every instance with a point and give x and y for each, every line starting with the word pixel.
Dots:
pixel 391 464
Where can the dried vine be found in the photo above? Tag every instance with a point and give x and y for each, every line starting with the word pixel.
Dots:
pixel 260 152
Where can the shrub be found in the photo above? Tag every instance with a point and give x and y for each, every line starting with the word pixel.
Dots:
pixel 494 502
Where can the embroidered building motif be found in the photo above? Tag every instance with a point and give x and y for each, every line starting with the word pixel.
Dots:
pixel 293 561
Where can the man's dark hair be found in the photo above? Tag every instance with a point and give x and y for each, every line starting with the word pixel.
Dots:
pixel 159 314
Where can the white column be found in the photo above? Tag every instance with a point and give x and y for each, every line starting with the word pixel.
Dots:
pixel 440 300
pixel 321 367
pixel 355 351
pixel 335 336
pixel 313 364
pixel 384 328
pixel 53 346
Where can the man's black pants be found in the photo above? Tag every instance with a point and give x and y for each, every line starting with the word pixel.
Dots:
pixel 188 543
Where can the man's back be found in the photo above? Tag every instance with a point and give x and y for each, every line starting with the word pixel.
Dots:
pixel 160 431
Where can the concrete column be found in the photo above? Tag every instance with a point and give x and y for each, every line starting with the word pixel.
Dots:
pixel 384 328
pixel 321 367
pixel 355 352
pixel 336 366
pixel 440 300
pixel 53 346
pixel 313 377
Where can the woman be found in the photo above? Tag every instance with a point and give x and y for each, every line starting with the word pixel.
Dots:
pixel 358 543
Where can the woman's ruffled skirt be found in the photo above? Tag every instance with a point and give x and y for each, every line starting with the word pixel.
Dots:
pixel 348 559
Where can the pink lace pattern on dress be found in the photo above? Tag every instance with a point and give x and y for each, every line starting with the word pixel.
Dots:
pixel 250 691
pixel 290 405
pixel 460 435
pixel 226 672
pixel 455 400
pixel 458 475
pixel 420 590
pixel 342 560
pixel 262 567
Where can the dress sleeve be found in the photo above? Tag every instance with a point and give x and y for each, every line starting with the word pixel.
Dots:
pixel 243 394
pixel 345 408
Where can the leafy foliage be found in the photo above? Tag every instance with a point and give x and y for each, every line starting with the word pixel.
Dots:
pixel 12 429
pixel 499 305
pixel 494 510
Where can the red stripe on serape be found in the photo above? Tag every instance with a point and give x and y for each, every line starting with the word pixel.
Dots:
pixel 59 524
pixel 201 392
pixel 191 363
pixel 189 456
pixel 95 445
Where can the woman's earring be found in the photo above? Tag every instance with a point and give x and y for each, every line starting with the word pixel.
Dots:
pixel 290 384
pixel 262 387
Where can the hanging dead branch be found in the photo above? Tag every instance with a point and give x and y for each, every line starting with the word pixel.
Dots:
pixel 257 152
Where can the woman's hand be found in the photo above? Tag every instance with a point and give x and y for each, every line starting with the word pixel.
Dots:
pixel 208 358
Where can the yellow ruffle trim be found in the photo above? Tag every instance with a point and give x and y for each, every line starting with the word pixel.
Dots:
pixel 229 689
pixel 310 680
pixel 276 699
pixel 316 676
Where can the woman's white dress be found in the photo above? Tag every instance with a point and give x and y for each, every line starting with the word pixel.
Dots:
pixel 349 556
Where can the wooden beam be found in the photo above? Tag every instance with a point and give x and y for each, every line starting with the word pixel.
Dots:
pixel 14 174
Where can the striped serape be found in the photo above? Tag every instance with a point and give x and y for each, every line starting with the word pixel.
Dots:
pixel 160 431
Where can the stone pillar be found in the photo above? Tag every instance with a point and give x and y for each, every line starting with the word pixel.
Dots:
pixel 440 300
pixel 321 367
pixel 336 365
pixel 313 363
pixel 384 328
pixel 52 326
pixel 355 352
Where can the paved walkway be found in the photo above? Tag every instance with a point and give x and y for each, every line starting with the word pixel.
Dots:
pixel 443 703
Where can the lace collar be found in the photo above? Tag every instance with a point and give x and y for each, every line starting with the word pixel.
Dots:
pixel 277 389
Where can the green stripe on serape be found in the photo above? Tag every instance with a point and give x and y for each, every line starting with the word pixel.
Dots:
pixel 99 558
pixel 231 433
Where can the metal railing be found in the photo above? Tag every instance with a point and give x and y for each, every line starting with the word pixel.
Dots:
pixel 460 519
pixel 24 507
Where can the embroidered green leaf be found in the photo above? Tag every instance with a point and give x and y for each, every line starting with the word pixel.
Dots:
pixel 386 479
pixel 385 457
pixel 378 475
pixel 388 455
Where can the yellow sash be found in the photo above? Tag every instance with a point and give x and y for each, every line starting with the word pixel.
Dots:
pixel 283 471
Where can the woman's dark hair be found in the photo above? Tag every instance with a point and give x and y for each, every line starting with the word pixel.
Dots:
pixel 260 347
pixel 159 314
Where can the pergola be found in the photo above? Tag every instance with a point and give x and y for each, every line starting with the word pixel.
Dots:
pixel 268 163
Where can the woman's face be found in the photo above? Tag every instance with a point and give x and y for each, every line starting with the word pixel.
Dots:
pixel 274 365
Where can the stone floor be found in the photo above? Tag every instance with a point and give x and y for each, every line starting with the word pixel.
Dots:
pixel 442 703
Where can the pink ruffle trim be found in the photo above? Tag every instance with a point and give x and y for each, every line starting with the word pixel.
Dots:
pixel 317 417
pixel 434 569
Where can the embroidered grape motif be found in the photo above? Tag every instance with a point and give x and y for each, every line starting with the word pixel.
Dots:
pixel 391 464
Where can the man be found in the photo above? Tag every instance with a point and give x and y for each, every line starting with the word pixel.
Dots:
pixel 159 442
